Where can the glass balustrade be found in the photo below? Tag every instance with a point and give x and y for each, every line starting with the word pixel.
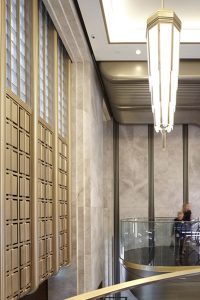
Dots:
pixel 162 242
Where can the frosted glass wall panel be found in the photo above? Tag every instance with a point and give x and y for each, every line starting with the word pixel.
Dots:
pixel 46 86
pixel 62 90
pixel 18 48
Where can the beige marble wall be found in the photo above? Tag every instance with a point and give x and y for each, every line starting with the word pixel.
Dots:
pixel 133 171
pixel 133 168
pixel 94 178
pixel 168 174
pixel 90 216
pixel 194 169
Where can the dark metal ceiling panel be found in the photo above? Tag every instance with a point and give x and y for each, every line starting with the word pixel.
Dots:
pixel 127 87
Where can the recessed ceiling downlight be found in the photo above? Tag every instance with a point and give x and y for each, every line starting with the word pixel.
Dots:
pixel 138 52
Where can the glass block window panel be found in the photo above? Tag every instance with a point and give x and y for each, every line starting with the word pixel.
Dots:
pixel 62 90
pixel 45 64
pixel 18 47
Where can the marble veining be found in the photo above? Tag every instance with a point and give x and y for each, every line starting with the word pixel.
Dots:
pixel 133 171
pixel 194 169
pixel 168 174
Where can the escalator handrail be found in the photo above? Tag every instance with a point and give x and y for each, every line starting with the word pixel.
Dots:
pixel 132 284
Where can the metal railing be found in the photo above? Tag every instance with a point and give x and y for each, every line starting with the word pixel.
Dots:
pixel 133 284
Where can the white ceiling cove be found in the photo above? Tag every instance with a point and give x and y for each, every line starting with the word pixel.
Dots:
pixel 117 28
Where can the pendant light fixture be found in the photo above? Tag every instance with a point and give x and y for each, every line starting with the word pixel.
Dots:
pixel 163 42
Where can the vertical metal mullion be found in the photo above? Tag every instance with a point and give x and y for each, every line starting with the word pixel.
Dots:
pixel 10 48
pixel 151 210
pixel 67 66
pixel 59 73
pixel 10 43
pixel 69 142
pixel 34 148
pixel 45 28
pixel 116 202
pixel 185 163
pixel 62 94
pixel 26 10
pixel 55 154
pixel 18 48
pixel 2 138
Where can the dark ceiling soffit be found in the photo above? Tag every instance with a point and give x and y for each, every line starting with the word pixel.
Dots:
pixel 181 117
pixel 93 57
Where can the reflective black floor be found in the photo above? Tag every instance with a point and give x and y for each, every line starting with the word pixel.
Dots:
pixel 182 289
pixel 187 288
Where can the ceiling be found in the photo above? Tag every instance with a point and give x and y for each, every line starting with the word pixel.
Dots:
pixel 116 29
pixel 127 20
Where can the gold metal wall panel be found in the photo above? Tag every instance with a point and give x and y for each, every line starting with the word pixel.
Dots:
pixel 17 201
pixel 63 203
pixel 45 201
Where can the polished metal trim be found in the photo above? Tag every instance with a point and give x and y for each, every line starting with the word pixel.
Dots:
pixel 63 139
pixel 151 172
pixel 47 125
pixel 116 201
pixel 148 107
pixel 164 16
pixel 2 138
pixel 18 100
pixel 55 156
pixel 134 283
pixel 138 70
pixel 185 163
pixel 34 148
pixel 69 161
pixel 159 269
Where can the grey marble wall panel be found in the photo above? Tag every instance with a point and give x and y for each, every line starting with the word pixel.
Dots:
pixel 168 174
pixel 194 169
pixel 96 185
pixel 97 249
pixel 133 171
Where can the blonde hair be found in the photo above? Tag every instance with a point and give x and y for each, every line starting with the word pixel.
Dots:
pixel 185 207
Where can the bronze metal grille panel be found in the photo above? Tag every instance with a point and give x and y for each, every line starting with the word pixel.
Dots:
pixel 45 201
pixel 17 206
pixel 63 204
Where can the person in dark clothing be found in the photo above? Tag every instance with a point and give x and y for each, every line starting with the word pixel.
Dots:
pixel 187 225
pixel 178 232
pixel 187 212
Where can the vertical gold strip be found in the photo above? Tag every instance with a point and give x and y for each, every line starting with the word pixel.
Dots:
pixel 18 47
pixel 69 160
pixel 2 139
pixel 45 54
pixel 185 163
pixel 34 146
pixel 55 157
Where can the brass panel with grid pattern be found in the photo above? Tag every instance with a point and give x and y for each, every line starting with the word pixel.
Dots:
pixel 18 200
pixel 45 201
pixel 63 203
